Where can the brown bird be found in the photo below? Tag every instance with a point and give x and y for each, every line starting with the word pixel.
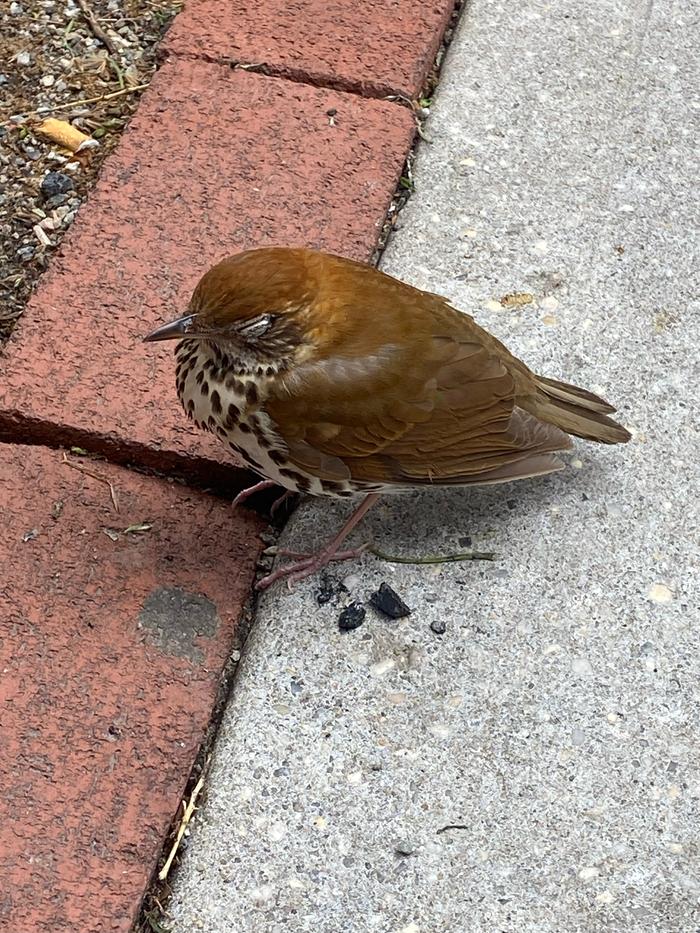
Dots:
pixel 331 378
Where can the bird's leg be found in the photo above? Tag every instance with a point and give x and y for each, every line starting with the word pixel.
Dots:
pixel 251 490
pixel 277 504
pixel 309 564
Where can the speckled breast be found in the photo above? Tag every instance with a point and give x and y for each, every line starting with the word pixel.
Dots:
pixel 230 404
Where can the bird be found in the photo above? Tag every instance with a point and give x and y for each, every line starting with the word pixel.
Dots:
pixel 329 377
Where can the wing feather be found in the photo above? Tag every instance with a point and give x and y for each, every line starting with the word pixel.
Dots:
pixel 438 406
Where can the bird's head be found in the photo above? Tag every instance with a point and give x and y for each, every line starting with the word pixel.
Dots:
pixel 251 306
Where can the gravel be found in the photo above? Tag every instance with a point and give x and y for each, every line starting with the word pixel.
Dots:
pixel 51 64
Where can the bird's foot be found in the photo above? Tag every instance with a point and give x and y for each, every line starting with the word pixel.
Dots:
pixel 259 487
pixel 304 565
pixel 251 490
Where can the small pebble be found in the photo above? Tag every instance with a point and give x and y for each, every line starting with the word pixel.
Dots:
pixel 404 847
pixel 352 582
pixel 389 602
pixel 56 183
pixel 41 236
pixel 605 898
pixel 23 59
pixel 492 305
pixel 351 617
pixel 660 593
pixel 438 626
pixel 56 201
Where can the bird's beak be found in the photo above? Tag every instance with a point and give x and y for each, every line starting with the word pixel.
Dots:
pixel 182 327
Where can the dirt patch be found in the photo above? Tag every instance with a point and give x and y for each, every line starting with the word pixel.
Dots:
pixel 85 62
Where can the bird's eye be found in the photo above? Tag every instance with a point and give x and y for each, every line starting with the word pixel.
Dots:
pixel 257 326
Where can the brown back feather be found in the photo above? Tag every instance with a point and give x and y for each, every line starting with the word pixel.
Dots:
pixel 422 395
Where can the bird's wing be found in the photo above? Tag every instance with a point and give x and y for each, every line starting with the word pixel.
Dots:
pixel 439 408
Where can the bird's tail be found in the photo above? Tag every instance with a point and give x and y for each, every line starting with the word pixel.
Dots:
pixel 578 412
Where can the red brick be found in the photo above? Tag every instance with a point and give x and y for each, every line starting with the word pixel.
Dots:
pixel 374 47
pixel 103 712
pixel 214 162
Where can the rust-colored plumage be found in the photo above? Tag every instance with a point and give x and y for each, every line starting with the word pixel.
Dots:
pixel 332 378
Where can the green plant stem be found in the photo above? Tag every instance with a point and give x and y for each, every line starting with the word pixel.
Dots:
pixel 433 558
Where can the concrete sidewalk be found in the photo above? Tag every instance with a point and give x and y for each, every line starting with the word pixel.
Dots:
pixel 534 768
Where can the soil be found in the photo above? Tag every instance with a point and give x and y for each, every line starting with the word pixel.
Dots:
pixel 53 63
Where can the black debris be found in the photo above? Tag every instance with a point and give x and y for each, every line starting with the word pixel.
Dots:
pixel 351 617
pixel 325 592
pixel 438 626
pixel 389 602
pixel 329 589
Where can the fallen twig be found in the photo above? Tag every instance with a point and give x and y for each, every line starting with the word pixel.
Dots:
pixel 97 30
pixel 184 823
pixel 433 558
pixel 100 479
pixel 70 104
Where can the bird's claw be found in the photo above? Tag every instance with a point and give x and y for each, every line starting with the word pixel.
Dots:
pixel 251 490
pixel 278 503
pixel 304 565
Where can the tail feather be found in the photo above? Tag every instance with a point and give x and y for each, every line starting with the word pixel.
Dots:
pixel 570 393
pixel 578 412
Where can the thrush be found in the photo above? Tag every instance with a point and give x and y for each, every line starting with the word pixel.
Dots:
pixel 329 377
